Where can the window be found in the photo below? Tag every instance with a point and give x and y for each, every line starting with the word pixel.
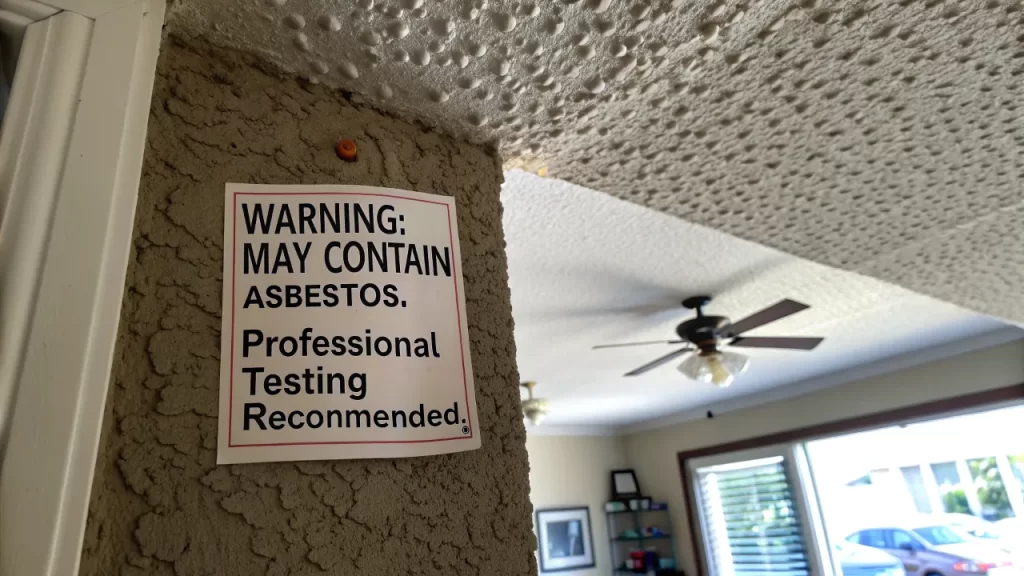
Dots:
pixel 954 499
pixel 1017 469
pixel 901 539
pixel 938 535
pixel 991 490
pixel 946 474
pixel 750 519
pixel 1017 463
pixel 873 538
pixel 789 509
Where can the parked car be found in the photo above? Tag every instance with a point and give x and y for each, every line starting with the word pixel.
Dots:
pixel 935 550
pixel 1000 534
pixel 1012 530
pixel 977 527
pixel 857 560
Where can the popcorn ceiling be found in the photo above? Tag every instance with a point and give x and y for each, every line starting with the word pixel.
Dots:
pixel 604 285
pixel 880 136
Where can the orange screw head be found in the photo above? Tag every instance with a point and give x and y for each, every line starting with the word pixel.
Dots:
pixel 346 150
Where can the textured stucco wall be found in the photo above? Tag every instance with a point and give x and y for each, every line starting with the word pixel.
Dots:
pixel 159 504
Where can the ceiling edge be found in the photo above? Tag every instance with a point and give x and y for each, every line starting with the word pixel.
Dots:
pixel 546 430
pixel 889 365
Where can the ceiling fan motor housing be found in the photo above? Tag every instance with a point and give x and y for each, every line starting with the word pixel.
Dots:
pixel 703 332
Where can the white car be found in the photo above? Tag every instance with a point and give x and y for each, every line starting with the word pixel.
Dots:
pixel 1001 533
pixel 1012 530
pixel 1011 535
pixel 977 527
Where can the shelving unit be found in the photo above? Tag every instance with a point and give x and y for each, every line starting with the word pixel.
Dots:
pixel 619 522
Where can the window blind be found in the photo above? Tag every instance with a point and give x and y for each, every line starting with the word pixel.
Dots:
pixel 751 524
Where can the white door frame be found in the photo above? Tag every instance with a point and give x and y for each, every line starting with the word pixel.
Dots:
pixel 70 161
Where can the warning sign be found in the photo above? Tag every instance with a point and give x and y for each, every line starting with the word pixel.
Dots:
pixel 344 326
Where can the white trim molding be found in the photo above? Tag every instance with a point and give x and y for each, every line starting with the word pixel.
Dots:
pixel 61 387
pixel 33 148
pixel 30 10
pixel 33 145
pixel 93 9
pixel 569 430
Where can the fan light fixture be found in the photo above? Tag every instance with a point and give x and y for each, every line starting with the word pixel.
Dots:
pixel 714 367
pixel 534 408
pixel 704 336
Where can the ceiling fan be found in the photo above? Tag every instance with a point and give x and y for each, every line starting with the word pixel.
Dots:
pixel 535 409
pixel 706 335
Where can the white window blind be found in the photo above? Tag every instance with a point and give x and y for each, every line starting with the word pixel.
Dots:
pixel 750 522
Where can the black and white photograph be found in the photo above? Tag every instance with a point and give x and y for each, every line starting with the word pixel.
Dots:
pixel 564 541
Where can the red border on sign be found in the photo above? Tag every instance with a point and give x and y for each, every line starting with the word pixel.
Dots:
pixel 458 315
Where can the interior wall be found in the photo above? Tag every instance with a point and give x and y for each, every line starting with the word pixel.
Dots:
pixel 160 504
pixel 653 454
pixel 571 471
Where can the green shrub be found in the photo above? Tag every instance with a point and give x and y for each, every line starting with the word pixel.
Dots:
pixel 955 501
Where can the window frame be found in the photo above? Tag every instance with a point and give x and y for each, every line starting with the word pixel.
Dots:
pixel 987 399
pixel 794 460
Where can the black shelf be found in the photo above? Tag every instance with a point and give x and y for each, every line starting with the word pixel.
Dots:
pixel 620 520
pixel 661 537
pixel 637 511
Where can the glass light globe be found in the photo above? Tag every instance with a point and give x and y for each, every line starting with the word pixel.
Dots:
pixel 535 409
pixel 718 368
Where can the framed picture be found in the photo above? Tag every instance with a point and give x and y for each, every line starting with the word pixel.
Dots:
pixel 563 539
pixel 624 485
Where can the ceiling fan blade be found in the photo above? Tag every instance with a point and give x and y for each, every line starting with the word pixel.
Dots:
pixel 658 362
pixel 776 311
pixel 784 342
pixel 647 343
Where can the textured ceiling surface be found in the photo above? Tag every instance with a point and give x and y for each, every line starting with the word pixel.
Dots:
pixel 580 275
pixel 881 136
